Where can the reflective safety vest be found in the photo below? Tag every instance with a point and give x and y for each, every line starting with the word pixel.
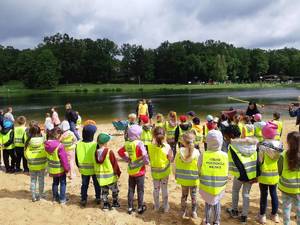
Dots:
pixel 105 172
pixel 181 133
pixel 36 155
pixel 19 134
pixel 269 171
pixel 170 131
pixel 160 164
pixel 289 181
pixel 54 165
pixel 136 163
pixel 279 129
pixel 258 133
pixel 205 132
pixel 250 164
pixel 78 121
pixel 85 152
pixel 68 143
pixel 198 136
pixel 249 130
pixel 186 173
pixel 241 125
pixel 5 139
pixel 146 137
pixel 214 172
pixel 160 124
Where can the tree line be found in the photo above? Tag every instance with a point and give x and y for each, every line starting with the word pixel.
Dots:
pixel 64 59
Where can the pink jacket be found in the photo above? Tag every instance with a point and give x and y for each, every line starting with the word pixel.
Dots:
pixel 55 118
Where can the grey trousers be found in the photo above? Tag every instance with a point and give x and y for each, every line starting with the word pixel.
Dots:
pixel 236 187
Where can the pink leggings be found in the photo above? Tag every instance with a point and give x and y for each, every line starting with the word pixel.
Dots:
pixel 71 160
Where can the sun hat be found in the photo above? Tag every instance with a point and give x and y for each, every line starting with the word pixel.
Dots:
pixel 144 119
pixel 269 131
pixel 183 118
pixel 214 140
pixel 209 118
pixel 64 126
pixel 103 138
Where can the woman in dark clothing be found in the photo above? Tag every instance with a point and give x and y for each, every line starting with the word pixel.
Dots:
pixel 252 110
pixel 150 109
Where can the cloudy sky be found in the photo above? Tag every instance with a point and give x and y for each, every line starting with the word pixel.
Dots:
pixel 247 23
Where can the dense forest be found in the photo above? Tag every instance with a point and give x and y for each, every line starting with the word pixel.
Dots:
pixel 63 59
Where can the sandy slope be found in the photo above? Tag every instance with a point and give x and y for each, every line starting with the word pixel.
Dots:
pixel 16 207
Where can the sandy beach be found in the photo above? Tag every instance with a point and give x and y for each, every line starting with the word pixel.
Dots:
pixel 16 207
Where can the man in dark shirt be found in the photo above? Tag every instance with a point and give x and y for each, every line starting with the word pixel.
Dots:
pixel 72 117
pixel 295 112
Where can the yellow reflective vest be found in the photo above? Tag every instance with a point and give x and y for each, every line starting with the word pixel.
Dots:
pixel 68 141
pixel 85 152
pixel 249 163
pixel 19 136
pixel 160 164
pixel 289 181
pixel 136 163
pixel 6 138
pixel 214 172
pixel 54 165
pixel 249 130
pixel 36 155
pixel 258 133
pixel 160 124
pixel 279 129
pixel 105 172
pixel 170 131
pixel 198 136
pixel 146 136
pixel 269 171
pixel 186 173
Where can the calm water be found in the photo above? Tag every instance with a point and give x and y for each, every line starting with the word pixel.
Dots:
pixel 104 107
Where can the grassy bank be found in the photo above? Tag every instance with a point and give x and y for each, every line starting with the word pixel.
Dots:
pixel 16 87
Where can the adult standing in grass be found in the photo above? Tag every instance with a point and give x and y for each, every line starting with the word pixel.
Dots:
pixel 295 112
pixel 72 117
pixel 55 117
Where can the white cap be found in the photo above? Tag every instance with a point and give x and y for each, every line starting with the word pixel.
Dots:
pixel 64 126
pixel 214 140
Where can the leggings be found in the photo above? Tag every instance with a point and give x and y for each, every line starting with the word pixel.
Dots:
pixel 184 196
pixel 216 210
pixel 163 185
pixel 236 187
pixel 287 201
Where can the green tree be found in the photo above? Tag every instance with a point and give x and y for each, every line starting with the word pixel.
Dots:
pixel 259 64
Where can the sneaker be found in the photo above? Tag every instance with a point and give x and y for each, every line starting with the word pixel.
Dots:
pixel 194 215
pixel 63 202
pixel 184 214
pixel 261 219
pixel 116 204
pixel 130 211
pixel 83 203
pixel 18 170
pixel 142 209
pixel 275 218
pixel 166 209
pixel 233 213
pixel 106 206
pixel 243 219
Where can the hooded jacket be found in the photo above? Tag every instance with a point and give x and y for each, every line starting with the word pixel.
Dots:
pixel 184 127
pixel 247 147
pixel 273 148
pixel 50 146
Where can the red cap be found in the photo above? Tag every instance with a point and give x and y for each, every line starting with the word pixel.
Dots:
pixel 144 119
pixel 183 118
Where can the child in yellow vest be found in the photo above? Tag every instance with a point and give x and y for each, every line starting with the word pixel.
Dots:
pixel 213 168
pixel 269 153
pixel 146 136
pixel 159 120
pixel 37 161
pixel 197 129
pixel 160 156
pixel 107 171
pixel 187 174
pixel 289 171
pixel 69 140
pixel 170 127
pixel 58 165
pixel 7 141
pixel 247 128
pixel 19 140
pixel 278 122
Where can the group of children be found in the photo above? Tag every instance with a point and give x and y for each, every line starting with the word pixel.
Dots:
pixel 250 152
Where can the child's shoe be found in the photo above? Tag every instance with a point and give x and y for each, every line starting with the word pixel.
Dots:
pixel 233 213
pixel 261 219
pixel 184 214
pixel 83 203
pixel 166 208
pixel 142 209
pixel 243 219
pixel 106 206
pixel 130 211
pixel 275 218
pixel 34 199
pixel 194 215
pixel 115 204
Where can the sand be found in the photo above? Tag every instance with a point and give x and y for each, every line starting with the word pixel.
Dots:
pixel 16 207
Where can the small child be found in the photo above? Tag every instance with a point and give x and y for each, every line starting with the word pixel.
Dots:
pixel 135 154
pixel 248 128
pixel 146 136
pixel 181 129
pixel 191 115
pixel 187 174
pixel 258 126
pixel 48 123
pixel 7 141
pixel 209 125
pixel 131 121
pixel 197 129
pixel 278 122
pixel 69 140
pixel 170 128
pixel 159 120
pixel 160 156
pixel 78 121
pixel 269 153
pixel 107 171
pixel 289 171
pixel 58 164
pixel 19 140
pixel 213 168
pixel 37 160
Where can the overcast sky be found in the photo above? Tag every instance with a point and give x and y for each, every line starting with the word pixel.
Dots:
pixel 246 23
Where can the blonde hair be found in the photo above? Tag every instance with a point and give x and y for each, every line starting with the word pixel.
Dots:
pixel 68 106
pixel 132 116
pixel 172 114
pixel 188 139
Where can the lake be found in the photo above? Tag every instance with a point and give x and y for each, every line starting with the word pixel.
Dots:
pixel 104 107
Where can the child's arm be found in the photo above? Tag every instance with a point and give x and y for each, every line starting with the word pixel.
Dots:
pixel 141 146
pixel 63 158
pixel 169 153
pixel 176 134
pixel 10 141
pixel 122 154
pixel 200 160
pixel 114 163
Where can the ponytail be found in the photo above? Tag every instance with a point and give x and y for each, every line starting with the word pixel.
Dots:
pixel 159 135
pixel 189 138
